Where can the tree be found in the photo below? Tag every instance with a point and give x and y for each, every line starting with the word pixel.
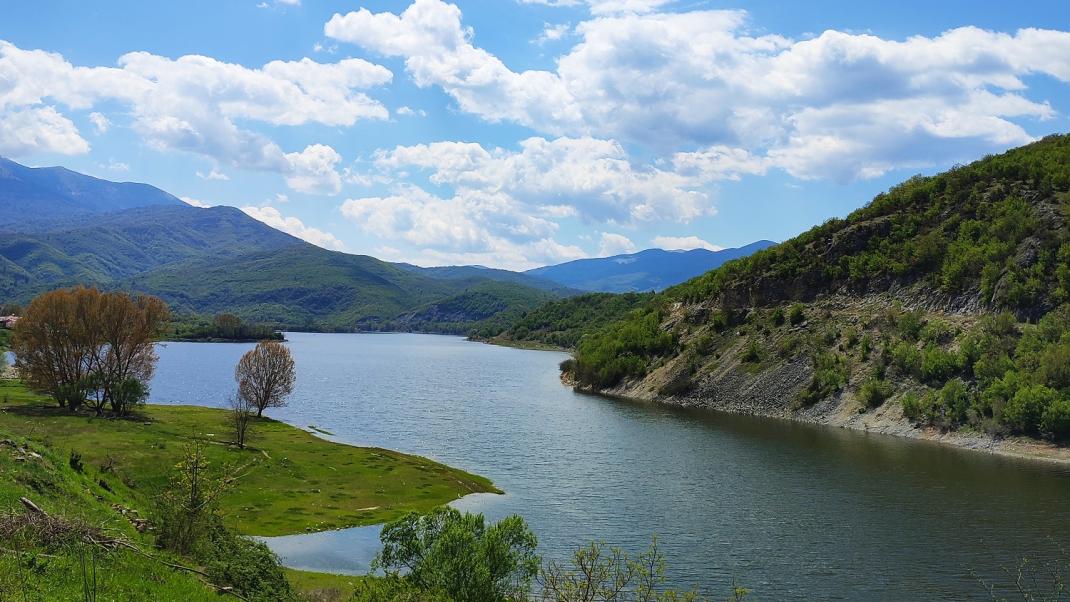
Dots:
pixel 613 576
pixel 241 417
pixel 266 376
pixel 227 326
pixel 55 344
pixel 460 555
pixel 80 344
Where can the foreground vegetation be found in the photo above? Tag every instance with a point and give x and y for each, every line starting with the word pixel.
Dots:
pixel 298 482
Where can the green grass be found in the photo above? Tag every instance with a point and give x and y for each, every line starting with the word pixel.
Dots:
pixel 30 571
pixel 296 482
pixel 323 586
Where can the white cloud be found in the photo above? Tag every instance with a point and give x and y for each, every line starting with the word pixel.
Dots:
pixel 113 165
pixel 100 122
pixel 195 202
pixel 839 105
pixel 604 7
pixel 472 227
pixel 213 174
pixel 593 177
pixel 39 130
pixel 192 103
pixel 684 243
pixel 313 170
pixel 552 33
pixel 615 244
pixel 409 111
pixel 294 226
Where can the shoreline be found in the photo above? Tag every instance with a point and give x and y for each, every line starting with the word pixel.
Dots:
pixel 887 420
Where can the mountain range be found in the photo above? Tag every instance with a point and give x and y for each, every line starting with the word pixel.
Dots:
pixel 60 228
pixel 649 270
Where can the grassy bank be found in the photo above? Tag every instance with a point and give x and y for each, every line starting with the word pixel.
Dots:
pixel 296 482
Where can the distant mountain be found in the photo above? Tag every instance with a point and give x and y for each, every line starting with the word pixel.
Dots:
pixel 457 272
pixel 650 270
pixel 68 229
pixel 36 193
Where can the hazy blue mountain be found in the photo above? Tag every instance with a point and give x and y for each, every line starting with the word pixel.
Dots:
pixel 40 193
pixel 649 270
pixel 455 272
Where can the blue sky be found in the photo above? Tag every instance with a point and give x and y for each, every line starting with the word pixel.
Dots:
pixel 516 133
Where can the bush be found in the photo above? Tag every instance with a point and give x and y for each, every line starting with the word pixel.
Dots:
pixel 830 375
pixel 460 555
pixel 1024 411
pixel 796 315
pixel 1055 422
pixel 248 566
pixel 874 392
pixel 752 353
pixel 937 365
pixel 778 316
pixel 914 408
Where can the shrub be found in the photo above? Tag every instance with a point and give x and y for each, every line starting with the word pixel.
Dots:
pixel 830 375
pixel 865 347
pixel 752 353
pixel 1024 411
pixel 913 406
pixel 460 555
pixel 796 315
pixel 778 316
pixel 75 462
pixel 874 392
pixel 1055 421
pixel 937 365
pixel 248 566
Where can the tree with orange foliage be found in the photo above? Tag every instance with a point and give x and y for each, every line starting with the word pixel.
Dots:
pixel 266 376
pixel 82 346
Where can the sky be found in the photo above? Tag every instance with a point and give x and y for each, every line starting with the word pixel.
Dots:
pixel 520 133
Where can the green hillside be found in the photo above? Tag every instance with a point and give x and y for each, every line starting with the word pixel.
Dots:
pixel 944 295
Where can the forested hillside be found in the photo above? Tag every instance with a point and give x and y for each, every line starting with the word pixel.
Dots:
pixel 943 300
pixel 65 228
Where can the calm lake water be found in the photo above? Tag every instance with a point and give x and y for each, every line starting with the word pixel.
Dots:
pixel 791 511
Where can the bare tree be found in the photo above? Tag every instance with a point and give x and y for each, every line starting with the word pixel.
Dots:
pixel 266 376
pixel 241 418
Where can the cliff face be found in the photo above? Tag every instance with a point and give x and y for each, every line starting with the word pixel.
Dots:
pixel 916 315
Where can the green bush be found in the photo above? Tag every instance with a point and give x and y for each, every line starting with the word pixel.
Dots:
pixel 830 375
pixel 874 392
pixel 460 555
pixel 752 353
pixel 778 316
pixel 937 365
pixel 796 315
pixel 1055 421
pixel 1024 411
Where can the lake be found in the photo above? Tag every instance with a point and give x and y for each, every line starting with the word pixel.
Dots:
pixel 791 511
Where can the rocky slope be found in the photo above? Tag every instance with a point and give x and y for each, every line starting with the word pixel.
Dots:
pixel 936 311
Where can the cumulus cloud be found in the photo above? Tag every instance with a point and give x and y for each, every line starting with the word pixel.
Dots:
pixel 593 177
pixel 471 227
pixel 839 105
pixel 39 129
pixel 293 226
pixel 192 104
pixel 313 170
pixel 683 243
pixel 615 244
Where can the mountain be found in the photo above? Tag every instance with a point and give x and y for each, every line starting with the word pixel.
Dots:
pixel 649 270
pixel 106 247
pixel 942 304
pixel 36 193
pixel 68 229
